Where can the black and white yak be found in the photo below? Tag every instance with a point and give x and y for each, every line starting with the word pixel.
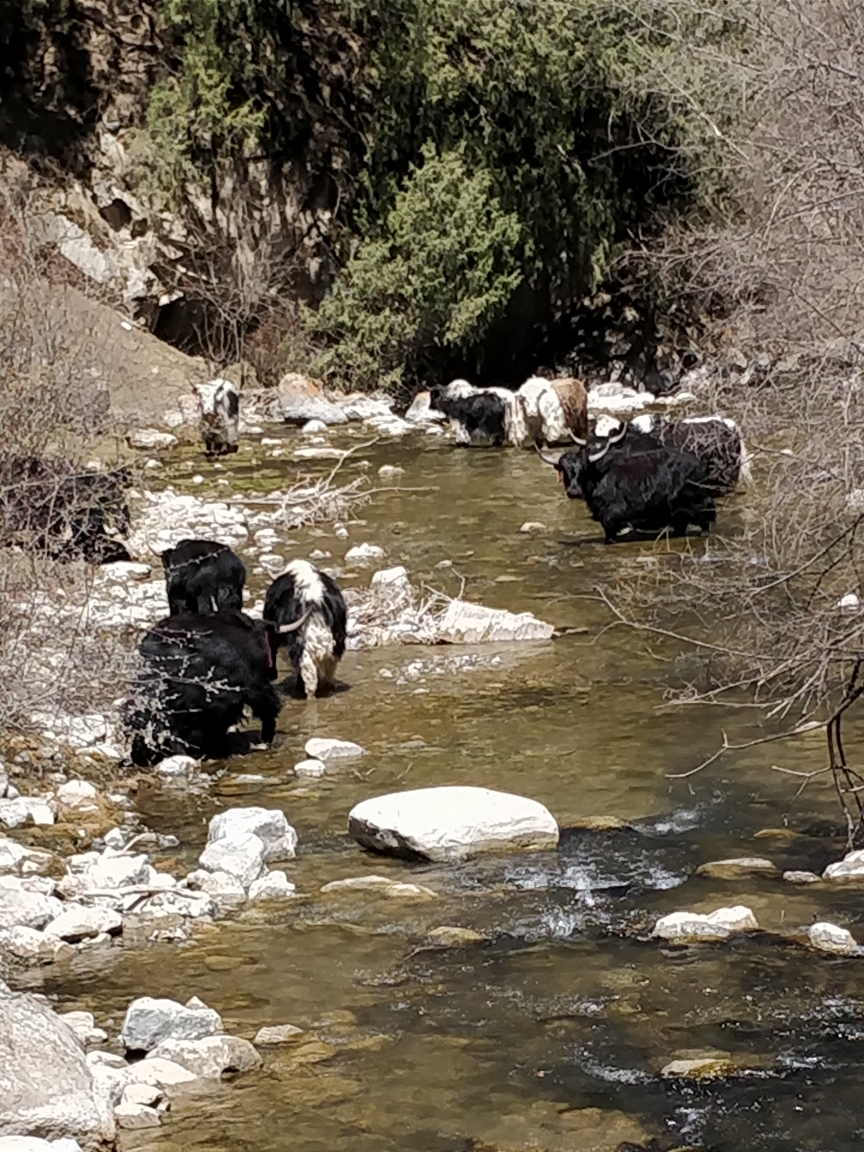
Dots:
pixel 201 577
pixel 542 411
pixel 218 416
pixel 634 484
pixel 480 417
pixel 315 648
pixel 716 440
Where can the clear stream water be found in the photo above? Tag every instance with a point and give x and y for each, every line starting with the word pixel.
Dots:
pixel 551 1035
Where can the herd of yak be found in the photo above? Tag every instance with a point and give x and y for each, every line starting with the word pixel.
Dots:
pixel 208 661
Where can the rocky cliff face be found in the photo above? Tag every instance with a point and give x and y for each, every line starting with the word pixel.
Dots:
pixel 72 101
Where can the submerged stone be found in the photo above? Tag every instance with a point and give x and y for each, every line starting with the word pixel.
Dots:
pixel 452 823
pixel 737 867
pixel 449 936
pixel 694 926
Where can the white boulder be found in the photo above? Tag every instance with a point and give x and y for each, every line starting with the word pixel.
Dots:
pixel 83 1024
pixel 268 824
pixel 830 938
pixel 26 902
pixel 310 768
pixel 273 885
pixel 847 870
pixel 321 748
pixel 466 623
pixel 242 858
pixel 158 1073
pixel 32 946
pixel 149 1021
pixel 691 926
pixel 45 1083
pixel 75 792
pixel 76 922
pixel 178 765
pixel 150 438
pixel 210 1056
pixel 113 869
pixel 364 554
pixel 452 823
pixel 20 860
pixel 220 886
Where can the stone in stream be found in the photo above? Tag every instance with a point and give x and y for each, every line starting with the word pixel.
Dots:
pixel 75 792
pixel 46 1087
pixel 20 860
pixel 320 748
pixel 737 868
pixel 150 438
pixel 268 824
pixel 221 886
pixel 465 623
pixel 688 927
pixel 159 1072
pixel 83 1024
pixel 794 877
pixel 848 870
pixel 31 945
pixel 242 858
pixel 149 1021
pixel 449 936
pixel 131 1116
pixel 27 902
pixel 363 554
pixel 708 1065
pixel 77 922
pixel 830 938
pixel 210 1056
pixel 310 768
pixel 383 885
pixel 277 1034
pixel 179 765
pixel 273 885
pixel 451 823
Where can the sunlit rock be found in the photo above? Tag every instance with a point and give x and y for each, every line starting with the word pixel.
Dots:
pixel 694 926
pixel 277 1034
pixel 449 936
pixel 77 922
pixel 451 823
pixel 310 768
pixel 273 885
pixel 737 867
pixel 322 748
pixel 26 902
pixel 708 1065
pixel 830 938
pixel 382 885
pixel 268 824
pixel 848 870
pixel 150 439
pixel 465 623
pixel 149 1021
pixel 241 857
pixel 210 1056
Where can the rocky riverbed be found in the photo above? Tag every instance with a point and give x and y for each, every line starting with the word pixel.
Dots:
pixel 225 962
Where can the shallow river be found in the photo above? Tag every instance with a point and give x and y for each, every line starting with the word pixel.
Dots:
pixel 551 1035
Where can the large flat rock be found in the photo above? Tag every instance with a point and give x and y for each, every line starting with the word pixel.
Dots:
pixel 452 823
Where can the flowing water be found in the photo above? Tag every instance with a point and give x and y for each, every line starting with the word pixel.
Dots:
pixel 551 1033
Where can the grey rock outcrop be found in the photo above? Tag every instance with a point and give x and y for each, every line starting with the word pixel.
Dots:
pixel 149 1021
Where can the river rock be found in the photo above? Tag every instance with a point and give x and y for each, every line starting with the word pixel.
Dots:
pixel 277 1034
pixel 242 858
pixel 451 823
pixel 184 903
pixel 178 765
pixel 830 938
pixel 159 1073
pixel 14 813
pixel 449 936
pixel 798 877
pixel 358 406
pixel 702 1066
pixel 114 869
pixel 268 824
pixel 75 792
pixel 46 1087
pixel 320 748
pixel 364 554
pixel 383 885
pixel 20 860
pixel 35 1144
pixel 848 870
pixel 31 946
pixel 301 409
pixel 83 1024
pixel 76 922
pixel 150 438
pixel 131 1116
pixel 273 885
pixel 146 1094
pixel 310 768
pixel 737 868
pixel 466 623
pixel 221 886
pixel 149 1021
pixel 26 902
pixel 694 926
pixel 210 1056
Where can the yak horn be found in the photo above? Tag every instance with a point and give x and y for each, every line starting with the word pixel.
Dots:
pixel 611 439
pixel 576 440
pixel 593 458
pixel 545 459
pixel 283 628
